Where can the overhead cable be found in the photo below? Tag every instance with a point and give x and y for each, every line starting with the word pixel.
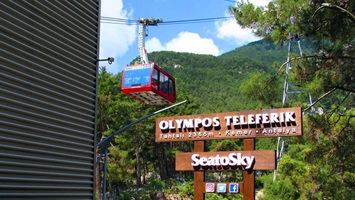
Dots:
pixel 187 21
pixel 112 20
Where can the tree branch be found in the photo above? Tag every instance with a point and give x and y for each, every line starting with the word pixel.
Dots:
pixel 305 57
pixel 345 89
pixel 285 63
pixel 320 98
pixel 339 104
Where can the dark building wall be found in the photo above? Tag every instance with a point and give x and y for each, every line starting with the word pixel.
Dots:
pixel 48 76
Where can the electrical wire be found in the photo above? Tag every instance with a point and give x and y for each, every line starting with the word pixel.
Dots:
pixel 188 21
pixel 113 20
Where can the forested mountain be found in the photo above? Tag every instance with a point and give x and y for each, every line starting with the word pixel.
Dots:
pixel 215 81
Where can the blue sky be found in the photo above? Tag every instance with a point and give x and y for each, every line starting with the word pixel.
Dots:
pixel 215 38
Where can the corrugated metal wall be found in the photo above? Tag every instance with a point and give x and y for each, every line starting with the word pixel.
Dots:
pixel 48 78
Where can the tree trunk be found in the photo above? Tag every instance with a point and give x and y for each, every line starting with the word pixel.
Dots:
pixel 98 170
pixel 163 173
pixel 98 179
pixel 138 172
pixel 341 162
pixel 144 168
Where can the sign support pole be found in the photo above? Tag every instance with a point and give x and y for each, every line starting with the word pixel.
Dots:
pixel 249 175
pixel 199 176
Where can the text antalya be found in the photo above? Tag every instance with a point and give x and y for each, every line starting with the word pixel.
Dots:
pixel 230 133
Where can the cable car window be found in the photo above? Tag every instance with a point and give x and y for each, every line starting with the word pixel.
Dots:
pixel 155 76
pixel 163 82
pixel 171 87
pixel 136 76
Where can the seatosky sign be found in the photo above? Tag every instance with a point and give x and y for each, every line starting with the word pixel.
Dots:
pixel 232 159
pixel 228 160
pixel 231 125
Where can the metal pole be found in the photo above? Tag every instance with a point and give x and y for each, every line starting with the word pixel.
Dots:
pixel 285 97
pixel 105 171
pixel 288 65
pixel 142 34
pixel 105 142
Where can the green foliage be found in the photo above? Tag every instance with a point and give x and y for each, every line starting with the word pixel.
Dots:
pixel 329 29
pixel 265 143
pixel 186 189
pixel 279 190
pixel 214 196
pixel 155 184
pixel 263 52
pixel 316 166
pixel 262 88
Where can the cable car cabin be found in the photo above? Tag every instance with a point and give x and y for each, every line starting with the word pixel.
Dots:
pixel 149 84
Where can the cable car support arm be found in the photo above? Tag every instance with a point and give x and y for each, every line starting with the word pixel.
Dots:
pixel 142 24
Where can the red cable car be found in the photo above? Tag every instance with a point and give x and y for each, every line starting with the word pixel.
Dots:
pixel 149 84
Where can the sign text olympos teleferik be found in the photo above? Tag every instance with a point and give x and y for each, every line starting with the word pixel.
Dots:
pixel 247 124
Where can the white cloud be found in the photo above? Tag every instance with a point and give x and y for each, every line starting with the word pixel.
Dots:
pixel 231 31
pixel 154 44
pixel 185 42
pixel 115 40
pixel 255 2
pixel 259 2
